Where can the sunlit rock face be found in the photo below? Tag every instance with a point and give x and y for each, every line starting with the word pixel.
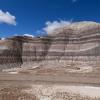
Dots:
pixel 73 45
pixel 35 51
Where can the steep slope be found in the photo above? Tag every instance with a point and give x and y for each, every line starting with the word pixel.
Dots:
pixel 73 46
pixel 10 53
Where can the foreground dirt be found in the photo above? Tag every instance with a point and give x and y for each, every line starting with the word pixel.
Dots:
pixel 26 86
pixel 41 92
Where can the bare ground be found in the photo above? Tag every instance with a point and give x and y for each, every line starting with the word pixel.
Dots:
pixel 48 84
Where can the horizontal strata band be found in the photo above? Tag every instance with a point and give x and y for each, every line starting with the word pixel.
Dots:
pixel 83 47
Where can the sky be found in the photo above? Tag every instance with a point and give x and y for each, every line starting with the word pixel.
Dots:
pixel 33 17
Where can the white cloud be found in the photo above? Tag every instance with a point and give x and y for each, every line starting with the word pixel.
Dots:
pixel 2 38
pixel 29 35
pixel 6 17
pixel 51 26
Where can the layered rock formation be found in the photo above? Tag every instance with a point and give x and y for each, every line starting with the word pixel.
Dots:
pixel 75 45
pixel 10 53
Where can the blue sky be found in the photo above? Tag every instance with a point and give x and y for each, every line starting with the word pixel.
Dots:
pixel 31 16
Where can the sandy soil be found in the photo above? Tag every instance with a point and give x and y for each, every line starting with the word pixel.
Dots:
pixel 49 85
pixel 49 92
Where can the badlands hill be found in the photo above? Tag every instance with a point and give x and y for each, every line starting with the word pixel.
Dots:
pixel 73 46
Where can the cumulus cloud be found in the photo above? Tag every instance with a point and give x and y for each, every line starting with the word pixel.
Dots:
pixel 6 17
pixel 29 35
pixel 2 38
pixel 51 26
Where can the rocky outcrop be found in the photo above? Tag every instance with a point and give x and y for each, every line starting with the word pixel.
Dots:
pixel 10 53
pixel 73 45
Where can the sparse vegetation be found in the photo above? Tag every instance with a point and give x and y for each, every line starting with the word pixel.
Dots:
pixel 72 96
pixel 15 93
